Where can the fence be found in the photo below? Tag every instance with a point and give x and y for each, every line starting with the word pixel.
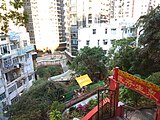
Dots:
pixel 69 95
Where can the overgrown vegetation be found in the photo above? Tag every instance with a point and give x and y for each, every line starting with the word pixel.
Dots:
pixel 90 61
pixel 143 61
pixel 36 103
pixel 49 71
pixel 80 110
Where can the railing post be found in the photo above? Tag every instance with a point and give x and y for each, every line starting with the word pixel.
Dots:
pixel 98 104
pixel 102 104
pixel 158 111
pixel 117 84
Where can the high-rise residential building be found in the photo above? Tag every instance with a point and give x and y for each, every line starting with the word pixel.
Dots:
pixel 153 3
pixel 56 23
pixel 67 24
pixel 131 8
pixel 48 23
pixel 16 71
pixel 73 43
pixel 62 11
pixel 122 8
pixel 92 11
pixel 29 25
pixel 84 13
pixel 61 24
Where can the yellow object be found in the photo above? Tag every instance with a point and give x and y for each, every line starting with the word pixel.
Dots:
pixel 83 80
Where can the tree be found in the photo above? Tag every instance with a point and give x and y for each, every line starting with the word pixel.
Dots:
pixel 122 54
pixel 154 78
pixel 12 14
pixel 46 72
pixel 149 41
pixel 90 61
pixel 36 103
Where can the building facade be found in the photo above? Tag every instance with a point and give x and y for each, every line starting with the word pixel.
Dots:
pixel 84 13
pixel 72 44
pixel 48 22
pixel 61 23
pixel 102 35
pixel 56 23
pixel 29 25
pixel 16 71
pixel 16 64
pixel 67 24
pixel 131 8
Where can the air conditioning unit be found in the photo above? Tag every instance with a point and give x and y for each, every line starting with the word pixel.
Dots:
pixel 17 66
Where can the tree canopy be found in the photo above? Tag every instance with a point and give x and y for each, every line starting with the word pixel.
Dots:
pixel 149 40
pixel 128 58
pixel 90 61
pixel 45 72
pixel 12 13
pixel 36 103
pixel 122 54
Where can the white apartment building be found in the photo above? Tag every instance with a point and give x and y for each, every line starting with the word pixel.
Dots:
pixel 84 13
pixel 67 23
pixel 45 22
pixel 143 7
pixel 16 71
pixel 131 8
pixel 92 11
pixel 102 35
pixel 16 64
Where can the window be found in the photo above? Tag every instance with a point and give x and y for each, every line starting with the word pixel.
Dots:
pixel 11 89
pixel 2 96
pixel 94 31
pixel 98 42
pixel 89 16
pixel 3 39
pixel 30 77
pixel 126 30
pixel 74 35
pixel 105 42
pixel 112 41
pixel 4 49
pixel 19 83
pixel 87 42
pixel 15 60
pixel 113 31
pixel 131 30
pixel 26 56
pixel 13 46
pixel 7 62
pixel 89 21
pixel 25 43
pixel 74 41
pixel 106 31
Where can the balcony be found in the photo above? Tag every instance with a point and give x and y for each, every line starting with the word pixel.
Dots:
pixel 23 51
pixel 13 75
pixel 10 67
pixel 17 78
